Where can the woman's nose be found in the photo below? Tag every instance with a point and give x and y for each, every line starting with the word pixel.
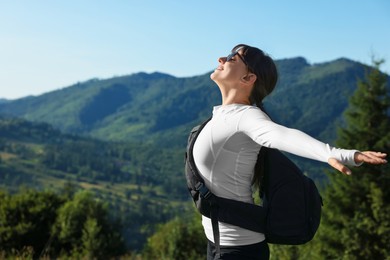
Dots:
pixel 222 59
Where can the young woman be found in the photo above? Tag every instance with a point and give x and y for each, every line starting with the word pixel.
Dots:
pixel 225 151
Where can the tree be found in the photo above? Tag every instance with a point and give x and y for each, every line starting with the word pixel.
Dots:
pixel 42 223
pixel 26 219
pixel 91 238
pixel 177 239
pixel 83 228
pixel 356 222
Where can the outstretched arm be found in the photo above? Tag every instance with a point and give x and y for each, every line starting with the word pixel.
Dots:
pixel 258 126
pixel 360 157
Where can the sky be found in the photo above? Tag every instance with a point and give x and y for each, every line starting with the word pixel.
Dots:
pixel 48 45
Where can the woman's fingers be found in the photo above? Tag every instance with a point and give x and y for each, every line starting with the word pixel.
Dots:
pixel 370 157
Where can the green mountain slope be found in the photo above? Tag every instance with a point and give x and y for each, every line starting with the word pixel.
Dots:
pixel 314 98
pixel 143 185
pixel 123 108
pixel 159 107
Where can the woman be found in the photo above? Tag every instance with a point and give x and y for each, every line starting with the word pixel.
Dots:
pixel 225 151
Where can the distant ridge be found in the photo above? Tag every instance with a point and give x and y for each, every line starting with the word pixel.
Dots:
pixel 157 106
pixel 3 100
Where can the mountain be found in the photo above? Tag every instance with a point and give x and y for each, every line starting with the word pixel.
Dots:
pixel 3 100
pixel 133 107
pixel 160 109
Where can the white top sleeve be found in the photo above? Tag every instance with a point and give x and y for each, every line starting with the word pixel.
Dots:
pixel 258 126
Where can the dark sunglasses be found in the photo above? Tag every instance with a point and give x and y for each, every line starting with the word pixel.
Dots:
pixel 231 55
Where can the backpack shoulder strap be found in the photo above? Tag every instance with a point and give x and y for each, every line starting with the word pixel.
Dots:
pixel 189 159
pixel 199 192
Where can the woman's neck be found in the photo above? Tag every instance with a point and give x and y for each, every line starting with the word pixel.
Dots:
pixel 234 96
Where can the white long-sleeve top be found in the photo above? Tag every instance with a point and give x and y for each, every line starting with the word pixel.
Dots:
pixel 225 154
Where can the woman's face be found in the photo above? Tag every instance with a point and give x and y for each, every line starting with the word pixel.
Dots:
pixel 231 69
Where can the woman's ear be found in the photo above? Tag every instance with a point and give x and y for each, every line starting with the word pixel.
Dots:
pixel 249 78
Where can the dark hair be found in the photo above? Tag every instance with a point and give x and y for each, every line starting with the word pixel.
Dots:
pixel 264 68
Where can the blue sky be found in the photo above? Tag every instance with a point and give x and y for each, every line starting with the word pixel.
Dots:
pixel 47 45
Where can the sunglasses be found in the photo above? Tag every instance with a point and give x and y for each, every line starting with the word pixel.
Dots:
pixel 231 55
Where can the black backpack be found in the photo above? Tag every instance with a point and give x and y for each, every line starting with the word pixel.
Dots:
pixel 291 210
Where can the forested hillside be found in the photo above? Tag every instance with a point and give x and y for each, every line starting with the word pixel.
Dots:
pixel 143 185
pixel 161 108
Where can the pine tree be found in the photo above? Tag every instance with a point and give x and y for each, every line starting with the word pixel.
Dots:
pixel 356 222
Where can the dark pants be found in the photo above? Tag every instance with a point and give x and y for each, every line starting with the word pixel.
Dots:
pixel 259 251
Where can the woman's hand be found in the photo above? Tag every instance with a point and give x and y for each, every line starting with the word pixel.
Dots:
pixel 360 157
